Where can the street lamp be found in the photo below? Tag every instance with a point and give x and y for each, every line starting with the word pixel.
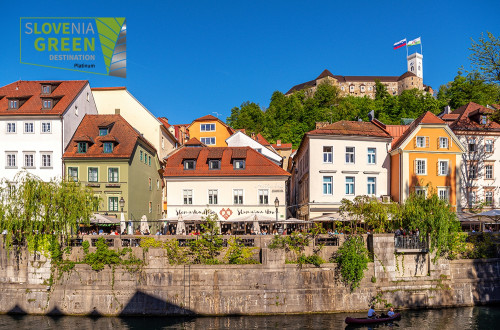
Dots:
pixel 276 204
pixel 122 203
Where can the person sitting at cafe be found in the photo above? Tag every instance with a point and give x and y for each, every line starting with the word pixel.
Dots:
pixel 158 232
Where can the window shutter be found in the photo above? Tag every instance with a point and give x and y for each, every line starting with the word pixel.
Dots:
pixel 415 142
pixel 437 167
pixel 427 142
pixel 449 143
pixel 439 143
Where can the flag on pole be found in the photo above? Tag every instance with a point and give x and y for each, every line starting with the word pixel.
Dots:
pixel 400 44
pixel 414 42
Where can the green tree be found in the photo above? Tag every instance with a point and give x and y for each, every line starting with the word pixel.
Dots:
pixel 485 57
pixel 352 261
pixel 208 246
pixel 380 90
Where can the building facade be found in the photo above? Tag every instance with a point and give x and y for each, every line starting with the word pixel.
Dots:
pixel 230 182
pixel 210 130
pixel 478 171
pixel 108 155
pixel 240 139
pixel 337 161
pixel 426 158
pixel 37 121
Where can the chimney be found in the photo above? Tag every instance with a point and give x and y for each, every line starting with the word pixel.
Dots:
pixel 252 136
pixel 278 143
pixel 371 115
pixel 447 110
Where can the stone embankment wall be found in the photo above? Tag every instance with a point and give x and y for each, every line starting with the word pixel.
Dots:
pixel 406 280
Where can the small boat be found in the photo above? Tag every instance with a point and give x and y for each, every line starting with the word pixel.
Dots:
pixel 352 320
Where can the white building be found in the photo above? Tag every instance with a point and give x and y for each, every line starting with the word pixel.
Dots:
pixel 478 171
pixel 37 121
pixel 240 139
pixel 231 182
pixel 340 160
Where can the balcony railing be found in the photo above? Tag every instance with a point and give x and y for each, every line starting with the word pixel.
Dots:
pixel 410 243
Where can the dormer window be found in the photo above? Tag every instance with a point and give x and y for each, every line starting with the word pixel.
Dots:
pixel 45 89
pixel 107 147
pixel 47 104
pixel 82 147
pixel 103 131
pixel 207 127
pixel 484 119
pixel 13 104
pixel 189 164
pixel 214 164
pixel 239 164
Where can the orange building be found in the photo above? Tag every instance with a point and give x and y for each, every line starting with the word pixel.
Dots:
pixel 426 155
pixel 210 130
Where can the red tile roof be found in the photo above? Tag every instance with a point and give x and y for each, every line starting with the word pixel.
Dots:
pixel 206 118
pixel 256 164
pixel 259 138
pixel 427 118
pixel 282 146
pixel 468 118
pixel 63 94
pixel 121 88
pixel 194 142
pixel 164 121
pixel 358 128
pixel 124 136
pixel 396 130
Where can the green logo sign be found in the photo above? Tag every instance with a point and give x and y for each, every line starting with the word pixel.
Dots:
pixel 86 44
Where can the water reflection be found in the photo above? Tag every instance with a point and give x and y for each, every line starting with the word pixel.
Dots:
pixel 443 319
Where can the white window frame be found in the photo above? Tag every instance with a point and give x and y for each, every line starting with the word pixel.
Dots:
pixel 351 184
pixel 373 184
pixel 112 177
pixel 471 141
pixel 32 124
pixel 374 154
pixel 488 164
pixel 326 184
pixel 486 192
pixel 488 144
pixel 11 127
pixel 43 127
pixel 213 192
pixel 13 104
pixel 328 155
pixel 416 166
pixel 425 140
pixel 214 161
pixel 88 173
pixel 9 155
pixel 186 194
pixel 239 160
pixel 353 154
pixel 30 154
pixel 189 161
pixel 115 205
pixel 444 143
pixel 421 188
pixel 446 190
pixel 43 159
pixel 242 196
pixel 203 127
pixel 47 104
pixel 208 140
pixel 265 192
pixel 44 87
pixel 447 172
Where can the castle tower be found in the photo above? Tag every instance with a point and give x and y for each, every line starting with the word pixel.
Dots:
pixel 415 64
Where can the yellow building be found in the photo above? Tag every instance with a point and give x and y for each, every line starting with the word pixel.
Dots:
pixel 425 155
pixel 210 130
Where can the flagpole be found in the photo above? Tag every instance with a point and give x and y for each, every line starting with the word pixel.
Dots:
pixel 421 51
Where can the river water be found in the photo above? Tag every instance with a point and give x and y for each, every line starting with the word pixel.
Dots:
pixel 451 318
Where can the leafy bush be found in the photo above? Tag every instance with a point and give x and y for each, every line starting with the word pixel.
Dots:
pixel 239 254
pixel 314 259
pixel 176 255
pixel 208 246
pixel 352 260
pixel 85 246
pixel 105 256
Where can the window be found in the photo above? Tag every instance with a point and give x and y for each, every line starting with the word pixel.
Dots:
pixel 351 88
pixel 46 127
pixel 421 191
pixel 162 142
pixel 93 174
pixel 82 147
pixel 46 89
pixel 73 173
pixel 422 142
pixel 107 147
pixel 103 131
pixel 371 185
pixel 488 171
pixel 208 140
pixel 207 128
pixel 213 196
pixel 140 155
pixel 263 196
pixel 372 155
pixel 484 119
pixel 214 164
pixel 113 204
pixel 327 185
pixel 349 185
pixel 443 168
pixel 145 158
pixel 472 145
pixel 362 89
pixel 47 104
pixel 29 128
pixel 473 170
pixel 238 196
pixel 11 127
pixel 149 160
pixel 13 104
pixel 443 142
pixel 239 164
pixel 157 184
pixel 443 194
pixel 11 160
pixel 189 164
pixel 29 160
pixel 187 196
pixel 349 155
pixel 150 184
pixel 259 150
pixel 327 154
pixel 150 207
pixel 473 197
pixel 113 174
pixel 46 160
pixel 421 166
pixel 488 146
pixel 488 197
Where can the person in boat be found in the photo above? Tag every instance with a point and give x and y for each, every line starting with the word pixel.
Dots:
pixel 371 312
pixel 390 313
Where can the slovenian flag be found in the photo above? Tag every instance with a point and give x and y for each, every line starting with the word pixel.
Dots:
pixel 400 44
pixel 414 42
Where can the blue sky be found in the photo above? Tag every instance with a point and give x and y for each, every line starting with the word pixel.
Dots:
pixel 187 59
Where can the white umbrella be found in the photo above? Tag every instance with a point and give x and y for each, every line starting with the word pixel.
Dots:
pixel 181 226
pixel 256 226
pixel 144 224
pixel 123 224
pixel 130 228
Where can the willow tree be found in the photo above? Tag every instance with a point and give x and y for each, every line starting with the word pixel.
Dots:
pixel 32 210
pixel 377 215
